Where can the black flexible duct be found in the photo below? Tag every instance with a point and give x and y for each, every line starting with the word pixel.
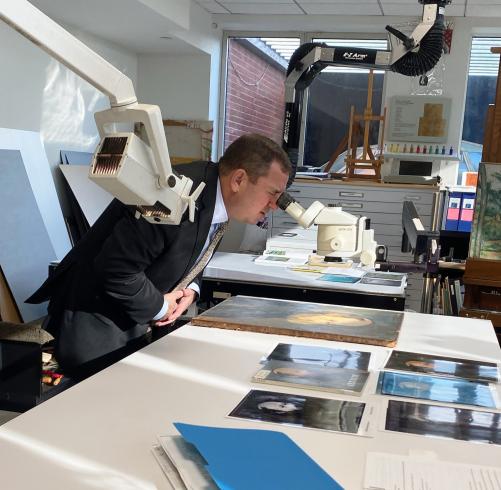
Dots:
pixel 300 53
pixel 415 63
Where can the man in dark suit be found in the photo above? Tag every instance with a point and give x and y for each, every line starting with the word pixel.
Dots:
pixel 119 279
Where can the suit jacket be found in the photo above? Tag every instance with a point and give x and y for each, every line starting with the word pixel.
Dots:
pixel 111 284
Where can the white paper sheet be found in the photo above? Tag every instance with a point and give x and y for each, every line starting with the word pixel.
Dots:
pixel 395 472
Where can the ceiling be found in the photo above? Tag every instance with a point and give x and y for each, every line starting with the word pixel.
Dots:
pixel 133 26
pixel 127 23
pixel 458 8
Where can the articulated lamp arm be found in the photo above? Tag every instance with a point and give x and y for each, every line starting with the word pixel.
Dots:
pixel 136 170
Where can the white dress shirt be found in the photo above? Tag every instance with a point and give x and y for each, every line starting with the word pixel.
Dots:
pixel 220 216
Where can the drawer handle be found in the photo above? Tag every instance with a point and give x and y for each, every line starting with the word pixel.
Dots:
pixel 353 205
pixel 351 194
pixel 412 198
pixel 293 191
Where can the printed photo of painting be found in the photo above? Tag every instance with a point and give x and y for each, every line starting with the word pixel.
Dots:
pixel 450 367
pixel 432 122
pixel 382 278
pixel 302 411
pixel 450 422
pixel 419 118
pixel 485 240
pixel 323 356
pixel 313 377
pixel 188 140
pixel 339 278
pixel 301 319
pixel 447 390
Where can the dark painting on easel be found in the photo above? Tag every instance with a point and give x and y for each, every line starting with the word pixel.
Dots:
pixel 314 320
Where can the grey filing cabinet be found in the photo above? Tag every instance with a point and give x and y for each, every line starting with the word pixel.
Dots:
pixel 381 203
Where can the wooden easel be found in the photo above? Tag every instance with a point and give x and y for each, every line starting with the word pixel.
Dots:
pixel 367 161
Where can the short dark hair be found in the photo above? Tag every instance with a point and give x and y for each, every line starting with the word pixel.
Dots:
pixel 254 153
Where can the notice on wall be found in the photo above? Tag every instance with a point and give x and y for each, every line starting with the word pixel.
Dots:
pixel 419 118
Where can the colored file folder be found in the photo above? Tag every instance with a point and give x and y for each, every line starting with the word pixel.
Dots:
pixel 453 211
pixel 466 215
pixel 251 459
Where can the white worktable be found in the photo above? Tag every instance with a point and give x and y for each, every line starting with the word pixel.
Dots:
pixel 242 268
pixel 98 434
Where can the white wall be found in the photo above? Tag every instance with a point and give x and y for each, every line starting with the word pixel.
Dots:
pixel 186 86
pixel 39 94
pixel 179 84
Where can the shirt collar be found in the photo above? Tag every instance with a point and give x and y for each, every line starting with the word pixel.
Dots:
pixel 220 215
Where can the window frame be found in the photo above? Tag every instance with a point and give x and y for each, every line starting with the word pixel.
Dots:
pixel 306 36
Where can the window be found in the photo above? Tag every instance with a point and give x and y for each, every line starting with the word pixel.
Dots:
pixel 480 92
pixel 254 94
pixel 255 76
pixel 330 98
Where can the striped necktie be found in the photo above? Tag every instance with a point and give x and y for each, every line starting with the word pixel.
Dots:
pixel 204 258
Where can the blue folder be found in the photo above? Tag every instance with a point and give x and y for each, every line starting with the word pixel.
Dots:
pixel 466 215
pixel 251 459
pixel 453 210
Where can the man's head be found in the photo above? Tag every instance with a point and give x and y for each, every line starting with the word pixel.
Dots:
pixel 254 171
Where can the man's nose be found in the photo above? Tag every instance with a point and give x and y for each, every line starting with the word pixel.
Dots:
pixel 273 204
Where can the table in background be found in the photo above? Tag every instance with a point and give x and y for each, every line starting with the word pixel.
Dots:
pixel 237 273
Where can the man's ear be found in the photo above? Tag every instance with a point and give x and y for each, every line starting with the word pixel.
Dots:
pixel 238 178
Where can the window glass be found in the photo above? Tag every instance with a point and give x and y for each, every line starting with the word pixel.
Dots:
pixel 330 98
pixel 480 92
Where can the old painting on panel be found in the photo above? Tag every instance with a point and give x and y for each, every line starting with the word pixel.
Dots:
pixel 485 242
pixel 315 320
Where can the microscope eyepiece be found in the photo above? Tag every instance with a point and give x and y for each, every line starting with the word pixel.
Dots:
pixel 284 201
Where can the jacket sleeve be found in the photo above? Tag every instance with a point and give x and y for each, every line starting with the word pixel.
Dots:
pixel 119 267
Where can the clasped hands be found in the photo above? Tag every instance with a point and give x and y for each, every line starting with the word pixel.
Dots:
pixel 179 302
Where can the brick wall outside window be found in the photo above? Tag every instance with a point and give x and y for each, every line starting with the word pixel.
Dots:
pixel 254 95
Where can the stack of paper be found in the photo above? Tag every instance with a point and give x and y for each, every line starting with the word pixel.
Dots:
pixel 237 459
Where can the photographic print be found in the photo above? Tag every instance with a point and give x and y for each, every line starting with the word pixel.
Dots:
pixel 339 278
pixel 450 422
pixel 380 282
pixel 322 356
pixel 443 366
pixel 392 276
pixel 446 390
pixel 301 411
pixel 302 319
pixel 311 376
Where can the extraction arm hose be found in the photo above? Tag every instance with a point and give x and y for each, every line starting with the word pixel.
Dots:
pixel 416 63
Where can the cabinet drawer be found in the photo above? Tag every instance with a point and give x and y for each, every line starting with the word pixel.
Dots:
pixel 363 207
pixel 301 233
pixel 366 193
pixel 376 218
pixel 284 220
pixel 389 241
pixel 387 230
